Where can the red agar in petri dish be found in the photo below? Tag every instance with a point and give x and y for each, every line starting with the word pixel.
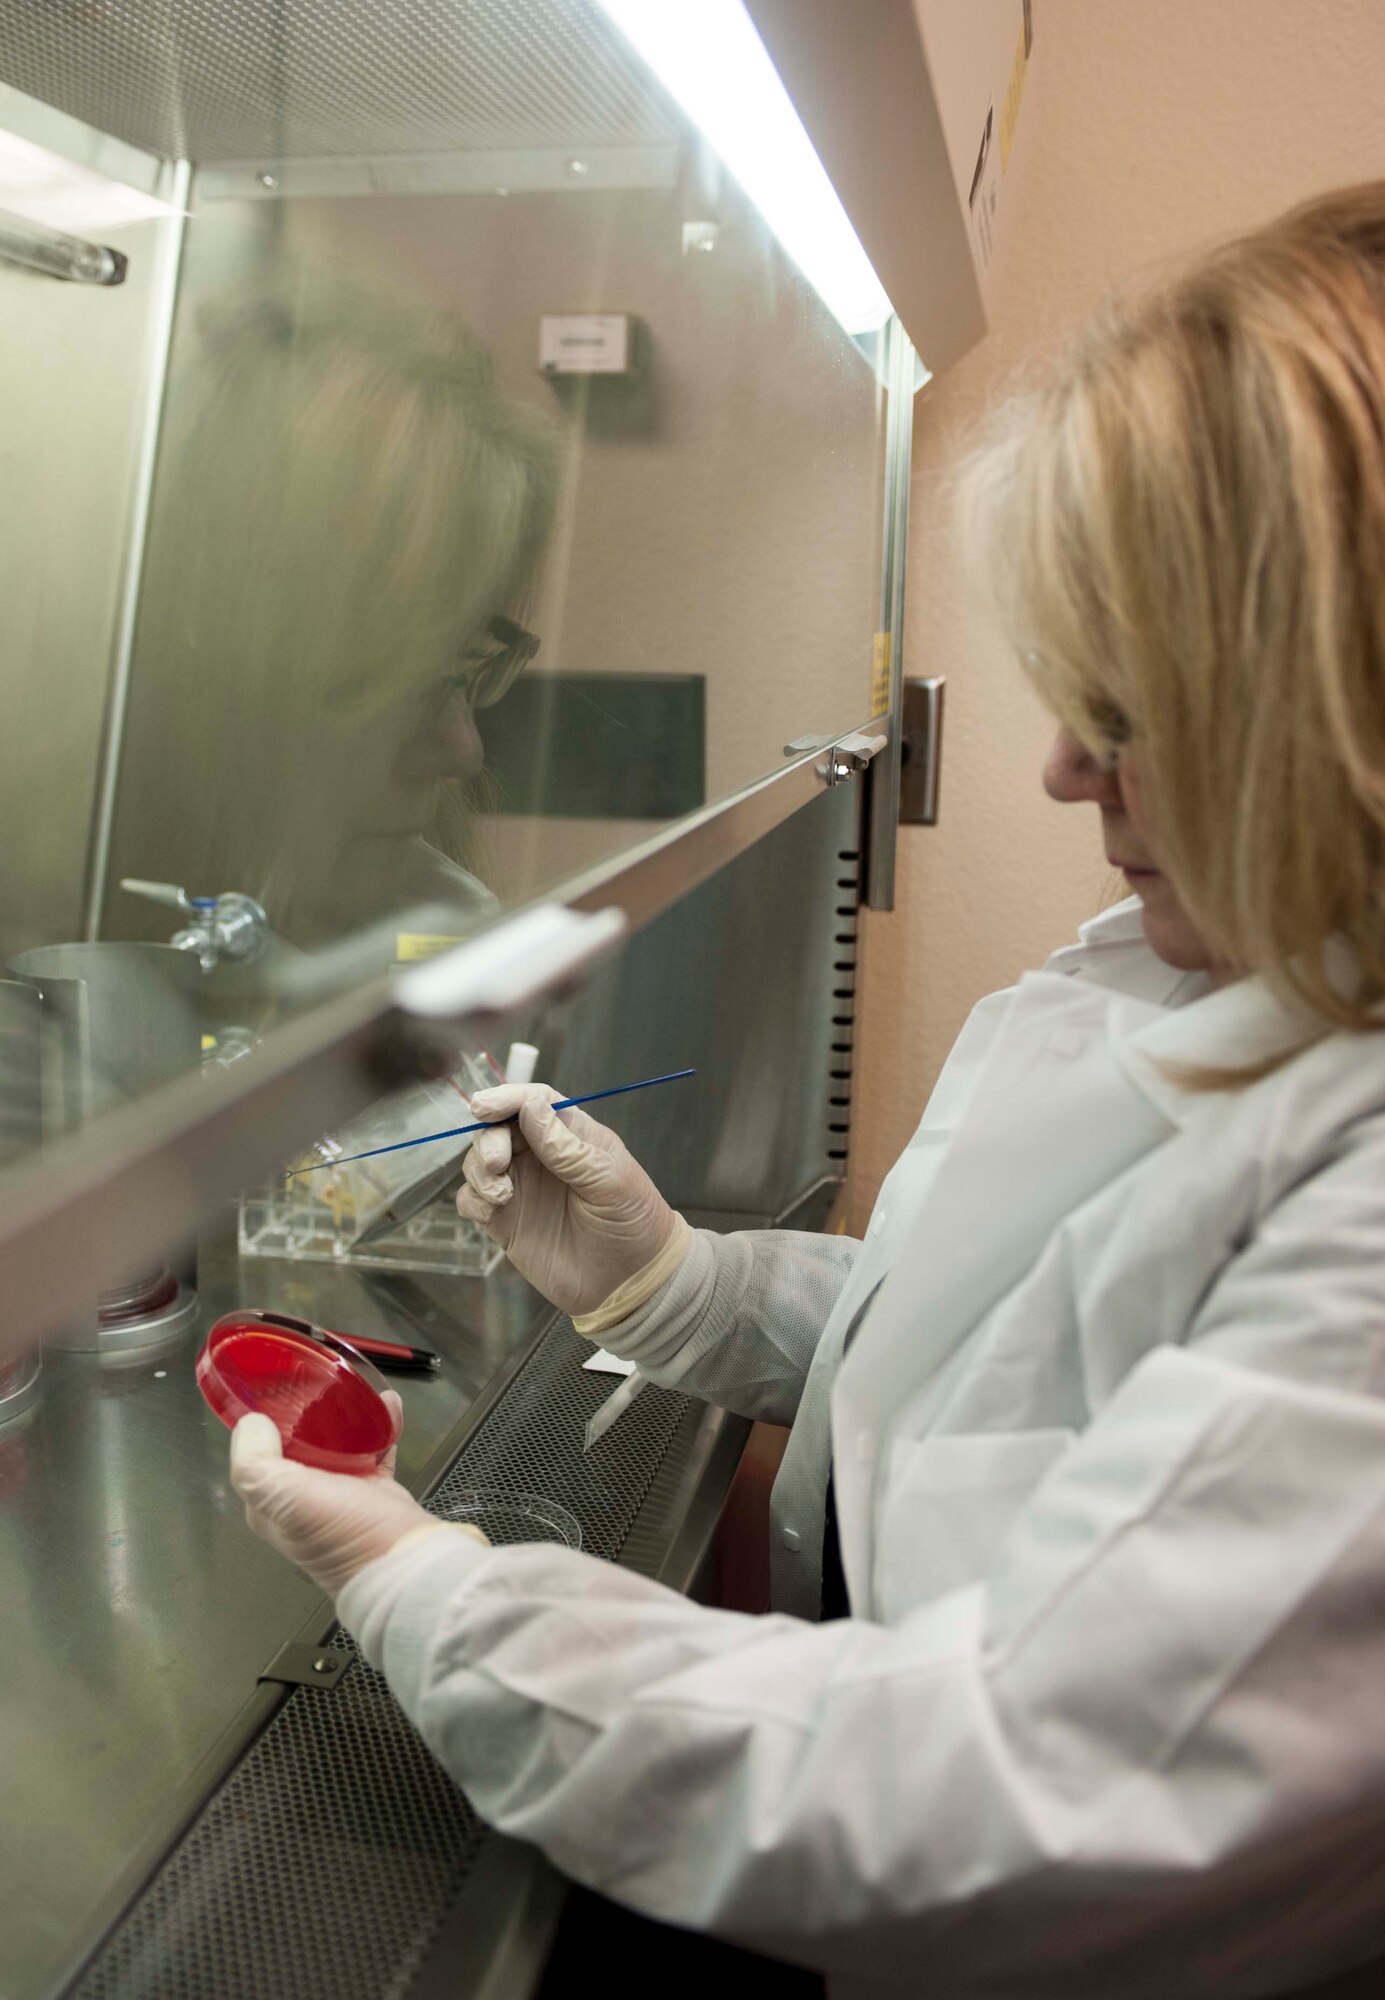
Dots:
pixel 325 1400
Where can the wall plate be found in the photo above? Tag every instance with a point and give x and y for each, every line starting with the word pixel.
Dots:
pixel 921 750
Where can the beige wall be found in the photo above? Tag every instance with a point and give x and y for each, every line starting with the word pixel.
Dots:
pixel 1147 130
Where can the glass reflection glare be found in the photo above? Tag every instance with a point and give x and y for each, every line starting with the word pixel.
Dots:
pixel 370 502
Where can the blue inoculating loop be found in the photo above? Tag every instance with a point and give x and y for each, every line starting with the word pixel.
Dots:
pixel 460 1131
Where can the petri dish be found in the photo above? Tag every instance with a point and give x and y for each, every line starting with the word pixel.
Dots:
pixel 326 1400
pixel 506 1518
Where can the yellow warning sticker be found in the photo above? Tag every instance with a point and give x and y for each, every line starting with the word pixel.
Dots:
pixel 411 946
pixel 1010 109
pixel 880 674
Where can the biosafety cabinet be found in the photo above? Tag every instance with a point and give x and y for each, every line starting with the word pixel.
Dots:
pixel 452 532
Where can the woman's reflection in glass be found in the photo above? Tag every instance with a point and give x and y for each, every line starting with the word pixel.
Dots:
pixel 350 530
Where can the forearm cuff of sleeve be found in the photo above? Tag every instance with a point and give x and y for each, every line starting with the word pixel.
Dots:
pixel 444 1553
pixel 434 1527
pixel 630 1296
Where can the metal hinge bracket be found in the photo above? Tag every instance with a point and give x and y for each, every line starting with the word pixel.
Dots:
pixel 849 757
pixel 296 1665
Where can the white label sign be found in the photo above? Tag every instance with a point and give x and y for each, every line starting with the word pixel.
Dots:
pixel 584 343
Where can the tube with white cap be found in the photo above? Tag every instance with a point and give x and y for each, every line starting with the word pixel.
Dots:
pixel 521 1060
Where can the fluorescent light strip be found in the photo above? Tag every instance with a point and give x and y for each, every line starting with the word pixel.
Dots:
pixel 708 56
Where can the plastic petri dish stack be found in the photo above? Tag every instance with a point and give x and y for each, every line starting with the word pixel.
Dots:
pixel 326 1400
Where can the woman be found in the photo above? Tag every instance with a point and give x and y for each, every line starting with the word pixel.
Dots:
pixel 1089 1432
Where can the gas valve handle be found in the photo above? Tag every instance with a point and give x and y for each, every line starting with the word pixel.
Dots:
pixel 229 927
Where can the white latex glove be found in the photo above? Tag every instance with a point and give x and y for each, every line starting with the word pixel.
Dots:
pixel 575 1213
pixel 330 1523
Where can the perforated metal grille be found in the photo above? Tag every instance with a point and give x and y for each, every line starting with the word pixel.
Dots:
pixel 538 1448
pixel 328 1860
pixel 322 1866
pixel 247 79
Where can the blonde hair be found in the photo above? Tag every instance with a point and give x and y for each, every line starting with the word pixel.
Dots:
pixel 346 497
pixel 1186 528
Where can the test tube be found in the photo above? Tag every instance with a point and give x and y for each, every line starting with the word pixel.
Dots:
pixel 521 1060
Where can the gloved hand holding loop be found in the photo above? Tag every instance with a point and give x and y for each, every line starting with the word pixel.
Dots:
pixel 574 1212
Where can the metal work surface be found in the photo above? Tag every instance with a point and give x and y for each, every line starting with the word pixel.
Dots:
pixel 329 1860
pixel 140 1609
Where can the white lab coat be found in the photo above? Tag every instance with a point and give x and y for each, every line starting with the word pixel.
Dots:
pixel 1109 1446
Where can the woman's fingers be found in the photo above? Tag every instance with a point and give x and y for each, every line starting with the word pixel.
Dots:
pixel 504 1100
pixel 561 1144
pixel 500 1107
pixel 487 1166
pixel 473 1207
pixel 567 1144
pixel 486 1199
pixel 394 1403
pixel 490 1187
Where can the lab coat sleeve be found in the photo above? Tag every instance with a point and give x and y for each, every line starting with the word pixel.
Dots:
pixel 1146 1753
pixel 739 1321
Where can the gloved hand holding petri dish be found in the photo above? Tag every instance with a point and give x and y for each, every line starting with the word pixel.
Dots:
pixel 315 1430
pixel 330 1406
pixel 328 1523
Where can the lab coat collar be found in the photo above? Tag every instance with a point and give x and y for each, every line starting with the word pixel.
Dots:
pixel 1122 924
pixel 1234 1027
pixel 1231 1027
pixel 1112 952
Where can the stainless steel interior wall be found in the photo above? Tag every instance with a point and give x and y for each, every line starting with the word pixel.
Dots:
pixel 751 980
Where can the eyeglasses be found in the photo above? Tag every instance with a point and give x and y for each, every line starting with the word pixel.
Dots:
pixel 1109 723
pixel 1112 725
pixel 492 663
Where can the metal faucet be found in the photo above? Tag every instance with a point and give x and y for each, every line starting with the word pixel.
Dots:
pixel 226 928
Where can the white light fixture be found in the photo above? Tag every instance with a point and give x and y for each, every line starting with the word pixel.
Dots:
pixel 708 56
pixel 58 194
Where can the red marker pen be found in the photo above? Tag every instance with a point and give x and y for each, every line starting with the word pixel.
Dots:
pixel 395 1357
